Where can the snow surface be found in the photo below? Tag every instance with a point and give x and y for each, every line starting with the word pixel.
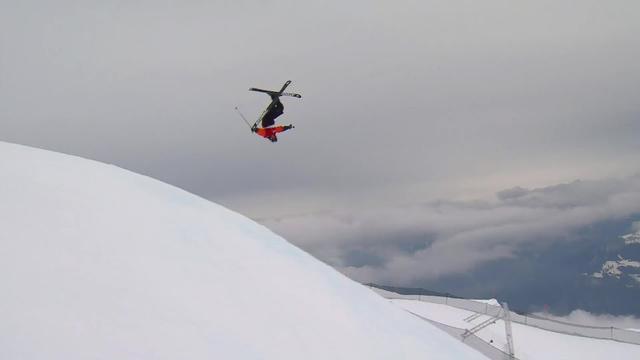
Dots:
pixel 530 343
pixel 100 263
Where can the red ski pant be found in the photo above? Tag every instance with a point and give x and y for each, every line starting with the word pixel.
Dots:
pixel 270 132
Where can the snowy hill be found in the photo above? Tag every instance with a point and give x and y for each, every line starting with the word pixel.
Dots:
pixel 98 262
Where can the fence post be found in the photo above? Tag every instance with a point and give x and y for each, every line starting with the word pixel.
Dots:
pixel 507 330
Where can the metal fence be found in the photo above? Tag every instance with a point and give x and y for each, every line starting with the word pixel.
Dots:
pixel 473 341
pixel 597 332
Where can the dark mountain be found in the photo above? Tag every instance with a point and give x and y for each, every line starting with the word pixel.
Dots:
pixel 597 270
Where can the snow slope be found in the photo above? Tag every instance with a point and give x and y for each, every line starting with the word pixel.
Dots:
pixel 530 343
pixel 99 263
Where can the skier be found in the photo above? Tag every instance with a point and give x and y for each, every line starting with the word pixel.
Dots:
pixel 269 115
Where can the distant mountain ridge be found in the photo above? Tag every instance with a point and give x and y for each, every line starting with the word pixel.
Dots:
pixel 598 271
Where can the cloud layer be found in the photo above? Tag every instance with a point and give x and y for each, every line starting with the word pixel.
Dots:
pixel 586 318
pixel 402 245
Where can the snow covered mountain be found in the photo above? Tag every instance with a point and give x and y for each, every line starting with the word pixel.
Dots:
pixel 625 265
pixel 98 262
pixel 614 268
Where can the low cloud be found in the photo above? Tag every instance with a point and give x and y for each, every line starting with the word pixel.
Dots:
pixel 586 318
pixel 405 244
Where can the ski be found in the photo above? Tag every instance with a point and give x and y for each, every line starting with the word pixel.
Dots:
pixel 276 93
pixel 270 92
pixel 284 87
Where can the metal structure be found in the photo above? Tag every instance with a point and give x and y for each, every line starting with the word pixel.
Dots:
pixel 507 330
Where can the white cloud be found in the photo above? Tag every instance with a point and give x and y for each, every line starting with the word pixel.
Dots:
pixel 425 241
pixel 586 318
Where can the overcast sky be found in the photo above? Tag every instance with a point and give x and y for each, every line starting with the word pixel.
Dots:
pixel 414 114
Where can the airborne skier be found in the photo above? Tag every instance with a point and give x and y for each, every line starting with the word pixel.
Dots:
pixel 269 115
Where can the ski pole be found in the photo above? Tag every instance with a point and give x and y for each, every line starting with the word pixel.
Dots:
pixel 243 118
